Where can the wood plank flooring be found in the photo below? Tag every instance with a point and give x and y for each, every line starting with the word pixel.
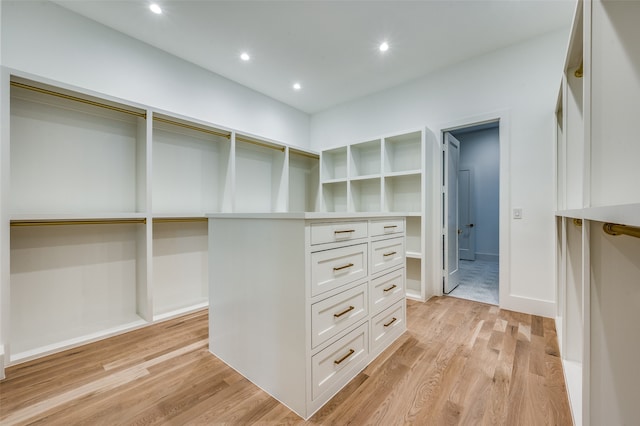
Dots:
pixel 460 362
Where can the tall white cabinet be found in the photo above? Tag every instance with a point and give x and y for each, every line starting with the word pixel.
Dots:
pixel 390 174
pixel 103 210
pixel 598 213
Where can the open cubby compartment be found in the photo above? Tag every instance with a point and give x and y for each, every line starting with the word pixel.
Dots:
pixel 403 193
pixel 334 164
pixel 366 159
pixel 573 333
pixel 260 181
pixel 573 115
pixel 68 156
pixel 615 103
pixel 72 284
pixel 414 236
pixel 180 266
pixel 366 195
pixel 615 327
pixel 334 197
pixel 560 264
pixel 560 154
pixel 403 152
pixel 414 278
pixel 304 181
pixel 191 166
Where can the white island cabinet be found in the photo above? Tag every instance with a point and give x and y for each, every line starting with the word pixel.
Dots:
pixel 300 303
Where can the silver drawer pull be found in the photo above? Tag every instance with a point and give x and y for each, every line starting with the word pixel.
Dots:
pixel 346 231
pixel 339 361
pixel 390 226
pixel 390 288
pixel 339 268
pixel 394 319
pixel 391 253
pixel 349 309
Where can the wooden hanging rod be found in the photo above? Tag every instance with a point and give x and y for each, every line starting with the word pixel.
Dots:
pixel 304 154
pixel 75 222
pixel 179 219
pixel 266 145
pixel 577 222
pixel 615 229
pixel 188 126
pixel 77 99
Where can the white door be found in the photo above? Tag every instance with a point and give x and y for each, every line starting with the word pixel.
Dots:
pixel 451 228
pixel 466 240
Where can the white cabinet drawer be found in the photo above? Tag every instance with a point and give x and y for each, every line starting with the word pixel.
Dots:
pixel 336 232
pixel 336 362
pixel 386 290
pixel 337 313
pixel 386 254
pixel 387 325
pixel 332 268
pixel 384 227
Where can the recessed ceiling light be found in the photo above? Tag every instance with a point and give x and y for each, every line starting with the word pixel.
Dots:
pixel 245 56
pixel 384 46
pixel 297 86
pixel 155 8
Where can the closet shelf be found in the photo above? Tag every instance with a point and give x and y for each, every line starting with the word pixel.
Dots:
pixel 339 180
pixel 365 177
pixel 403 173
pixel 625 214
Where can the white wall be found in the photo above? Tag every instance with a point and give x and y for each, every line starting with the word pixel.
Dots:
pixel 47 40
pixel 480 151
pixel 524 80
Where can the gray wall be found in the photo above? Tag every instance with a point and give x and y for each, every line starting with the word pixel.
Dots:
pixel 480 151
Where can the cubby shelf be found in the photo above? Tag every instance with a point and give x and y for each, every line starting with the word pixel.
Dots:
pixel 106 210
pixel 598 274
pixel 389 174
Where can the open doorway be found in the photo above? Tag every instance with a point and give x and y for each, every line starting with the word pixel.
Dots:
pixel 471 161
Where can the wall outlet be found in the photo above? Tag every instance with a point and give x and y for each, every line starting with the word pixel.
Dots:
pixel 517 213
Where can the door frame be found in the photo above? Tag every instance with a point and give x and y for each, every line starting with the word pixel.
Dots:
pixel 447 213
pixel 502 117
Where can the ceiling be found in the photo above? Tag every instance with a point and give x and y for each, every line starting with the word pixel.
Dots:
pixel 329 47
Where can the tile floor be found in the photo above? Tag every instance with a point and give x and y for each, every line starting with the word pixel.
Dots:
pixel 478 281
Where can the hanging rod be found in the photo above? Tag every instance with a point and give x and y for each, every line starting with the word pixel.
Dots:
pixel 615 229
pixel 179 219
pixel 77 99
pixel 266 145
pixel 188 126
pixel 75 222
pixel 304 154
pixel 577 222
pixel 578 73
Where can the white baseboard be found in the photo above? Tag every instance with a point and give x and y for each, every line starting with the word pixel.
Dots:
pixel 543 308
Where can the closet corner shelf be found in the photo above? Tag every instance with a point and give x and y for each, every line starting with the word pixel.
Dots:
pixel 414 295
pixel 366 177
pixel 403 173
pixel 339 180
pixel 413 255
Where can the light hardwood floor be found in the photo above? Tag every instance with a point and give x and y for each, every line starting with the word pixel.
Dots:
pixel 460 362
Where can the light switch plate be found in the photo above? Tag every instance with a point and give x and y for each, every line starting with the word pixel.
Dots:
pixel 517 213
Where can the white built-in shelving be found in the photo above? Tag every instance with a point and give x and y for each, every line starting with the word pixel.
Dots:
pixel 106 203
pixel 390 174
pixel 598 213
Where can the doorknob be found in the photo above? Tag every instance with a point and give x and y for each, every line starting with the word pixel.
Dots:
pixel 459 231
